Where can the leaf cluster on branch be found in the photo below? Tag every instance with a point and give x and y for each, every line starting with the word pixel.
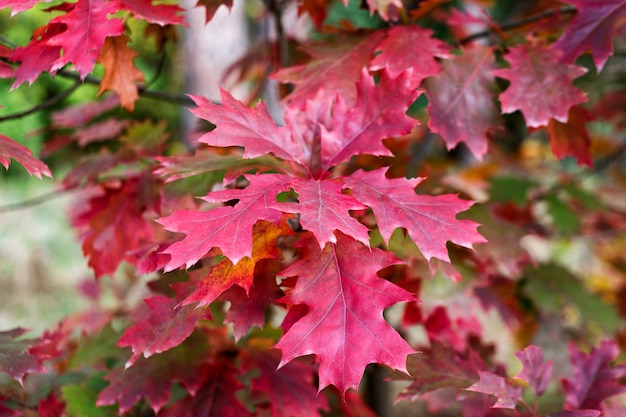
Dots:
pixel 430 183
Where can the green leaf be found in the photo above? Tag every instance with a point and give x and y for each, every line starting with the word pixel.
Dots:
pixel 81 401
pixel 504 189
pixel 563 218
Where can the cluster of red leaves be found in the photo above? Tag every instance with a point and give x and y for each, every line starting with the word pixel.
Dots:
pixel 298 219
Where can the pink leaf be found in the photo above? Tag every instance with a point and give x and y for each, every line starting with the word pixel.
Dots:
pixel 431 221
pixel 324 209
pixel 541 88
pixel 492 384
pixel 534 371
pixel 11 149
pixel 393 53
pixel 18 6
pixel 380 113
pixel 161 14
pixel 460 102
pixel 344 333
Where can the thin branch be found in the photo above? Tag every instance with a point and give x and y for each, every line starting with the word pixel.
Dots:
pixel 519 23
pixel 32 202
pixel 41 106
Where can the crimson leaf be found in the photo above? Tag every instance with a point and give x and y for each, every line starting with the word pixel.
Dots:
pixel 344 333
pixel 534 371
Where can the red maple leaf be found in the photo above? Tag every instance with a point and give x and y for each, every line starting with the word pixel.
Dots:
pixel 460 102
pixel 111 222
pixel 289 390
pixel 216 397
pixel 161 14
pixel 541 88
pixel 11 149
pixel 594 379
pixel 38 56
pixel 334 67
pixel 440 366
pixel 50 407
pixel 153 377
pixel 88 25
pixel 18 6
pixel 344 333
pixel 489 383
pixel 534 370
pixel 165 327
pixel 591 30
pixel 15 360
pixel 378 114
pixel 431 221
pixel 228 228
pixel 323 209
pixel 572 138
pixel 393 53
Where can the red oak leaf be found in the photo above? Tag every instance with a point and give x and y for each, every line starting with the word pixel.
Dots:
pixel 238 125
pixel 378 114
pixel 228 228
pixel 166 326
pixel 120 72
pixel 211 7
pixel 18 6
pixel 111 223
pixel 15 360
pixel 460 102
pixel 80 115
pixel 38 55
pixel 577 413
pixel 88 25
pixel 161 14
pixel 215 398
pixel 334 67
pixel 489 383
pixel 594 380
pixel 204 288
pixel 289 390
pixel 51 407
pixel 11 149
pixel 247 309
pixel 153 377
pixel 440 366
pixel 383 7
pixel 323 209
pixel 421 60
pixel 534 370
pixel 541 88
pixel 344 333
pixel 431 221
pixel 354 406
pixel 591 30
pixel 572 138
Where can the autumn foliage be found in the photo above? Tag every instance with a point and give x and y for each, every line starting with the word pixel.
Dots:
pixel 445 163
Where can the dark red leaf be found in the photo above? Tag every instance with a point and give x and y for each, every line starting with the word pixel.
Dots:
pixel 51 407
pixel 161 14
pixel 508 395
pixel 591 30
pixel 166 326
pixel 594 379
pixel 572 138
pixel 15 360
pixel 211 7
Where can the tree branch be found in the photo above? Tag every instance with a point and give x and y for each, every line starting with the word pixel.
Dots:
pixel 41 106
pixel 519 23
pixel 32 202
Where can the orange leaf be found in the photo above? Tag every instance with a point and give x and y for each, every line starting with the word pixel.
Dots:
pixel 120 72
